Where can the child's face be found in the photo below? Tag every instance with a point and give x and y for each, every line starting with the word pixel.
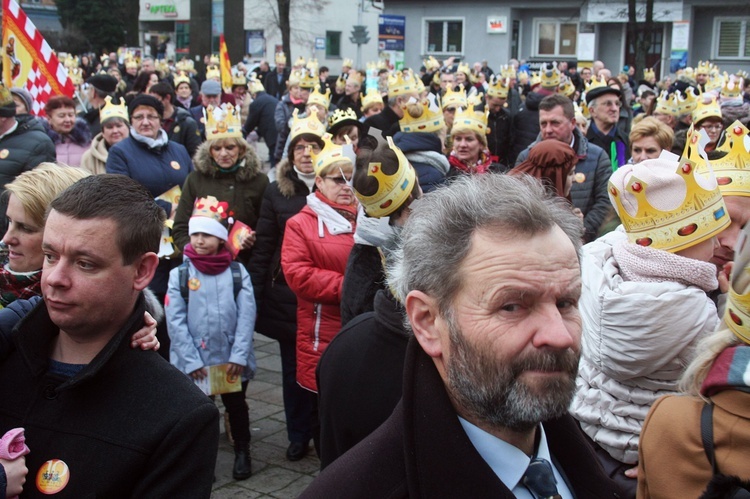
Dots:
pixel 702 251
pixel 204 244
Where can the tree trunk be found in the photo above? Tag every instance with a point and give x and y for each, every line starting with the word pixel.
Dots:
pixel 640 34
pixel 285 26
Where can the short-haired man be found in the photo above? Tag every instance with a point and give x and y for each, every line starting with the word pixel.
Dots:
pixel 210 95
pixel 490 370
pixel 604 106
pixel 401 88
pixel 351 98
pixel 177 122
pixel 589 192
pixel 103 419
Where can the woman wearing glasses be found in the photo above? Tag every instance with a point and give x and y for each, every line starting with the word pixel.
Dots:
pixel 276 303
pixel 707 116
pixel 316 247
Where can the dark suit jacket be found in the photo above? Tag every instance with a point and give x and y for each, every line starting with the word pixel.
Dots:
pixel 271 82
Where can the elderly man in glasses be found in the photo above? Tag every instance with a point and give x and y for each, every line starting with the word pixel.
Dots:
pixel 604 106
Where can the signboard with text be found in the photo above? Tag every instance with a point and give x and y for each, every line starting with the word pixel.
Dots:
pixel 391 32
pixel 164 10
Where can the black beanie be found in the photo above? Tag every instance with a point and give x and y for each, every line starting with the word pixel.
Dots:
pixel 146 100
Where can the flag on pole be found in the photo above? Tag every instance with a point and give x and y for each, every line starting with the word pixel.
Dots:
pixel 225 66
pixel 28 60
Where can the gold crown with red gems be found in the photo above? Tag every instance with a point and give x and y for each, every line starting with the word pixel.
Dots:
pixel 707 107
pixel 454 98
pixel 371 98
pixel 401 83
pixel 654 220
pixel 733 170
pixel 320 99
pixel 428 121
pixel 471 120
pixel 309 124
pixel 329 154
pixel 498 87
pixel 737 311
pixel 393 190
pixel 670 104
pixel 222 122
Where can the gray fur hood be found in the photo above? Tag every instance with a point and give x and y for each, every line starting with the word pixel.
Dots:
pixel 204 164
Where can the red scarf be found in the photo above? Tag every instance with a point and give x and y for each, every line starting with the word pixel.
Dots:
pixel 482 166
pixel 349 212
pixel 209 264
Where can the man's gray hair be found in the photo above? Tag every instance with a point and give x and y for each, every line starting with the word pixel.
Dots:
pixel 438 233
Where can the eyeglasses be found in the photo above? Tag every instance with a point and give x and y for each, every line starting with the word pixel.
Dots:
pixel 142 117
pixel 610 103
pixel 339 180
pixel 715 127
pixel 302 148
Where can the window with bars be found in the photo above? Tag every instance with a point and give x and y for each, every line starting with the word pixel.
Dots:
pixel 444 36
pixel 555 38
pixel 732 40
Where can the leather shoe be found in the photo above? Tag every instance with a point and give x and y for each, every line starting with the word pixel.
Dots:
pixel 296 451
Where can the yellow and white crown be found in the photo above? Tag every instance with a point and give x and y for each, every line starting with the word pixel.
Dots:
pixel 733 170
pixel 716 82
pixel 649 74
pixel 499 87
pixel 76 76
pixel 707 107
pixel 71 62
pixel 508 71
pixel 300 62
pixel 210 207
pixel 454 98
pixel 222 122
pixel 431 64
pixel 401 83
pixel 371 98
pixel 704 68
pixel 280 58
pixel 566 88
pixel 579 111
pixel 239 78
pixel 428 121
pixel 356 78
pixel 732 88
pixel 319 99
pixel 308 124
pixel 214 60
pixel 737 312
pixel 213 72
pixel 348 63
pixel 180 78
pixel 463 67
pixel 419 85
pixel 312 65
pixel 110 110
pixel 550 76
pixel 665 204
pixel 308 79
pixel 596 82
pixel 340 115
pixel 131 64
pixel 163 67
pixel 329 154
pixel 536 79
pixel 185 65
pixel 470 120
pixel 393 190
pixel 255 85
pixel 670 104
pixel 689 101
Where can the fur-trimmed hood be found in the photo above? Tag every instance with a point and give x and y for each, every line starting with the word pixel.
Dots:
pixel 80 135
pixel 287 180
pixel 203 163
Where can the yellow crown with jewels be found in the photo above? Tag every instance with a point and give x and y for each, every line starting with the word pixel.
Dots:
pixel 222 122
pixel 319 99
pixel 737 312
pixel 550 76
pixel 371 98
pixel 716 82
pixel 649 74
pixel 308 79
pixel 732 88
pixel 536 79
pixel 498 87
pixel 280 58
pixel 255 85
pixel 308 124
pixel 185 65
pixel 401 83
pixel 454 98
pixel 704 68
pixel 347 63
pixel 508 71
pixel 733 170
pixel 356 77
pixel 463 67
pixel 110 110
pixel 239 78
pixel 431 64
pixel 670 104
pixel 213 73
pixel 707 107
pixel 470 120
pixel 689 101
pixel 595 83
pixel 567 88
pixel 340 115
pixel 71 62
pixel 214 60
pixel 429 120
pixel 180 78
pixel 393 190
pixel 330 153
pixel 670 206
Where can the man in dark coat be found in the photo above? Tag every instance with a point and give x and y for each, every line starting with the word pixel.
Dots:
pixel 116 432
pixel 491 367
pixel 400 90
pixel 499 121
pixel 260 116
pixel 177 121
pixel 604 105
pixel 100 86
pixel 275 81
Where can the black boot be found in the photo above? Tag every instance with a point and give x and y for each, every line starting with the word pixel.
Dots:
pixel 241 470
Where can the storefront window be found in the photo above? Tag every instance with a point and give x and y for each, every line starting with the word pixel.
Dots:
pixel 444 36
pixel 555 38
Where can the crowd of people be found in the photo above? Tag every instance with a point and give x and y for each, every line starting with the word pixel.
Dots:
pixel 533 282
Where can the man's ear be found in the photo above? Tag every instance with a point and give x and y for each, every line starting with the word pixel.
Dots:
pixel 145 267
pixel 426 323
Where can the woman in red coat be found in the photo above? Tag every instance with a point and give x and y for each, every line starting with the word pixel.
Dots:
pixel 316 247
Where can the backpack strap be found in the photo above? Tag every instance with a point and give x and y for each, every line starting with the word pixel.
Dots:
pixel 707 434
pixel 183 275
pixel 236 278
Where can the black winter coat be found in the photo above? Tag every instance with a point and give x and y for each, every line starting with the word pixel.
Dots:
pixel 385 121
pixel 184 130
pixel 525 125
pixel 500 138
pixel 272 85
pixel 363 278
pixel 260 117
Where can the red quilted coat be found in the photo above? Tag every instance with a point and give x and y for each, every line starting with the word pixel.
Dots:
pixel 316 247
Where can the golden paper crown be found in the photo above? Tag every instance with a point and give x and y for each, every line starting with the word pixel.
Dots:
pixel 222 122
pixel 356 77
pixel 689 101
pixel 280 58
pixel 76 76
pixel 431 64
pixel 340 115
pixel 741 73
pixel 213 72
pixel 507 71
pixel 371 66
pixel 707 107
pixel 550 76
pixel 180 78
pixel 239 78
pixel 566 88
pixel 578 110
pixel 716 82
pixel 131 64
pixel 595 83
pixel 737 313
pixel 300 62
pixel 463 67
pixel 255 85
pixel 319 99
pixel 687 208
pixel 185 65
pixel 71 62
pixel 733 170
pixel 214 60
pixel 429 121
pixel 308 124
pixel 649 74
pixel 670 104
pixel 371 98
pixel 470 120
pixel 163 67
pixel 312 66
pixel 308 79
pixel 348 63
pixel 330 153
pixel 419 84
pixel 536 79
pixel 393 190
pixel 498 87
pixel 212 208
pixel 454 98
pixel 110 110
pixel 523 77
pixel 294 78
pixel 732 88
pixel 704 68
pixel 401 83
pixel 5 96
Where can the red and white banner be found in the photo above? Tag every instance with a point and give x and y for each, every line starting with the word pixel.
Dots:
pixel 28 61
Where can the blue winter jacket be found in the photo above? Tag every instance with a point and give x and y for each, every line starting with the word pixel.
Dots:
pixel 424 152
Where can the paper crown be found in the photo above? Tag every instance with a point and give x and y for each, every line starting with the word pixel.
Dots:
pixel 498 87
pixel 255 85
pixel 214 60
pixel 131 64
pixel 401 83
pixel 341 115
pixel 185 65
pixel 76 76
pixel 355 77
pixel 689 101
pixel 463 67
pixel 470 120
pixel 312 66
pixel 319 99
pixel 732 88
pixel 300 62
pixel 669 104
pixel 454 98
pixel 664 204
pixel 649 74
pixel 419 85
pixel 715 82
pixel 536 79
pixel 579 111
pixel 163 67
pixel 308 124
pixel 707 107
pixel 733 170
pixel 110 110
pixel 303 78
pixel 180 78
pixel 393 190
pixel 523 77
pixel 431 64
pixel 371 98
pixel 347 63
pixel 239 79
pixel 566 88
pixel 222 122
pixel 737 311
pixel 208 215
pixel 213 73
pixel 508 71
pixel 429 120
pixel 550 76
pixel 330 153
pixel 71 62
pixel 704 68
pixel 595 83
pixel 280 58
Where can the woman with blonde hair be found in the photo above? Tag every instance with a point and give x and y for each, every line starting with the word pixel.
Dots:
pixel 648 138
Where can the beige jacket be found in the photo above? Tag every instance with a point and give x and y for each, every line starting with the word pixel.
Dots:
pixel 95 158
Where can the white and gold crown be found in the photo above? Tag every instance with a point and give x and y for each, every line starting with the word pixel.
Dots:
pixel 222 122
pixel 733 170
pixel 340 115
pixel 498 87
pixel 308 79
pixel 596 82
pixel 737 312
pixel 347 63
pixel 300 62
pixel 309 124
pixel 567 88
pixel 665 204
pixel 508 71
pixel 213 73
pixel 669 104
pixel 280 58
pixel 550 76
pixel 180 78
pixel 707 107
pixel 470 120
pixel 319 99
pixel 371 98
pixel 401 83
pixel 131 64
pixel 312 66
pixel 238 79
pixel 428 121
pixel 255 85
pixel 716 82
pixel 185 65
pixel 393 190
pixel 419 85
pixel 76 76
pixel 732 88
pixel 355 77
pixel 704 68
pixel 210 207
pixel 649 74
pixel 431 64
pixel 110 110
pixel 463 67
pixel 330 153
pixel 71 62
pixel 214 60
pixel 536 79
pixel 689 101
pixel 454 98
